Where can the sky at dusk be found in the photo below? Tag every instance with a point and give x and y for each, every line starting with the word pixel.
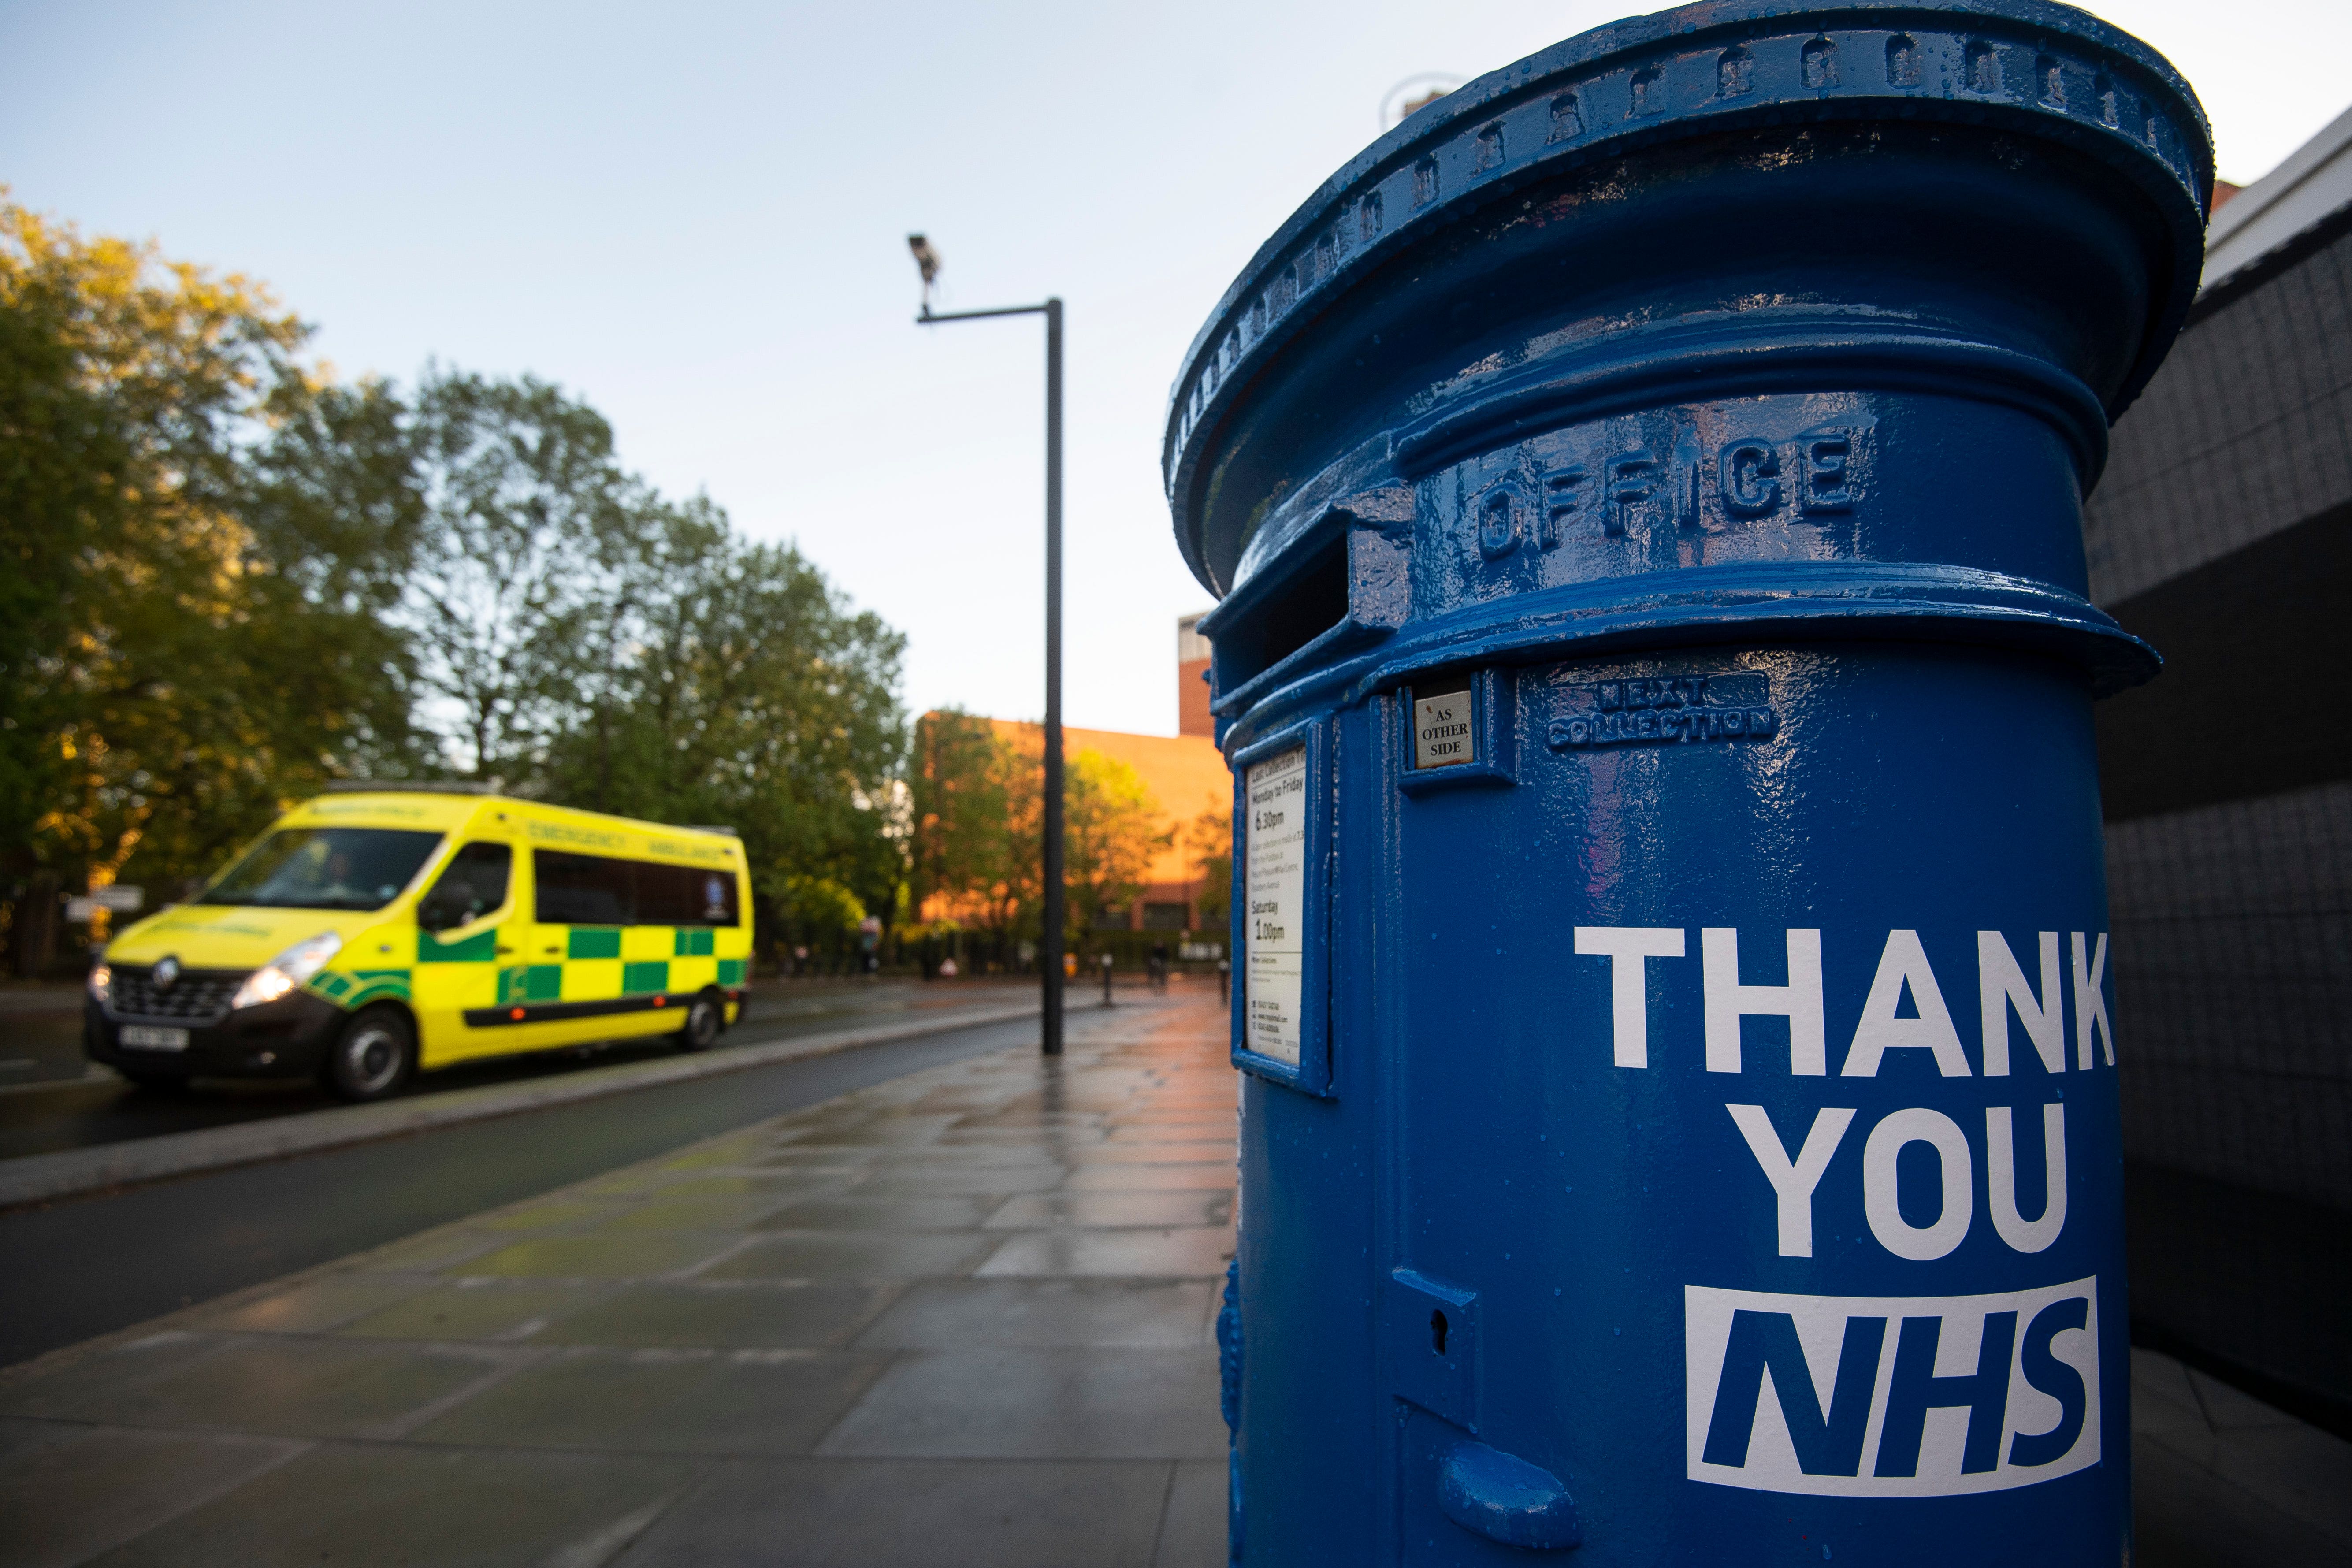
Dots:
pixel 693 216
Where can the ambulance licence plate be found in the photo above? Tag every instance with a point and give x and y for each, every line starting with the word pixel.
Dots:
pixel 147 1037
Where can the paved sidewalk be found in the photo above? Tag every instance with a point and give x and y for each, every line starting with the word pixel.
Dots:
pixel 962 1317
pixel 965 1317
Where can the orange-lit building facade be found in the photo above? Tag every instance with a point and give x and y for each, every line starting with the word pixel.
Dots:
pixel 1186 774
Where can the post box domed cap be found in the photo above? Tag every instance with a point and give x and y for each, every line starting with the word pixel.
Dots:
pixel 2016 67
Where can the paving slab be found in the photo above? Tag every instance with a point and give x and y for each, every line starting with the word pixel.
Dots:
pixel 662 1401
pixel 481 1309
pixel 568 1213
pixel 734 1315
pixel 1040 1404
pixel 1199 1252
pixel 1218 1177
pixel 782 1187
pixel 1113 1211
pixel 911 1180
pixel 670 1210
pixel 952 1212
pixel 846 1254
pixel 1193 1527
pixel 905 1513
pixel 974 1314
pixel 601 1256
pixel 69 1491
pixel 319 1304
pixel 288 1384
pixel 371 1506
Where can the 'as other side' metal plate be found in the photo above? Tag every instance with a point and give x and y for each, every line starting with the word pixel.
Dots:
pixel 1276 889
pixel 1443 736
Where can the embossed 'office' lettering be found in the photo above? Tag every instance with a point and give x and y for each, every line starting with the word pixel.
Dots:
pixel 1688 486
pixel 1560 487
pixel 1748 478
pixel 1498 526
pixel 1632 482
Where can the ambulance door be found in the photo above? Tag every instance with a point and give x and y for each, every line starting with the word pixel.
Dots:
pixel 465 934
pixel 538 989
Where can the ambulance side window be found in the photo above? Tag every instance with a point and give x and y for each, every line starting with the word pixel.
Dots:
pixel 684 896
pixel 599 891
pixel 583 890
pixel 473 884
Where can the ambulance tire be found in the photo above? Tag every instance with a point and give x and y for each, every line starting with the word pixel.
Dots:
pixel 372 1057
pixel 705 1017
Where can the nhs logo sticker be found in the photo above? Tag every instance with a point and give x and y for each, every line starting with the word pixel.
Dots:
pixel 1890 1395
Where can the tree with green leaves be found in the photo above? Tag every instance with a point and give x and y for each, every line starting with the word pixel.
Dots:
pixel 230 581
pixel 1111 834
pixel 736 686
pixel 170 675
pixel 1209 840
pixel 964 841
pixel 977 788
pixel 530 535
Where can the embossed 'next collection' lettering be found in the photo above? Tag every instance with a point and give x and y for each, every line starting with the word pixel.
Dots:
pixel 1667 709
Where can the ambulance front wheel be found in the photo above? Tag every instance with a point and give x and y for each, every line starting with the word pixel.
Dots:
pixel 373 1056
pixel 704 1019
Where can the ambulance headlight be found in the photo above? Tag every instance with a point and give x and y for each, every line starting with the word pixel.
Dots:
pixel 283 975
pixel 101 981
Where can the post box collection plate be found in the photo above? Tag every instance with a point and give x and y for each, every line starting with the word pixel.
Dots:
pixel 1276 884
pixel 1699 1140
pixel 1282 890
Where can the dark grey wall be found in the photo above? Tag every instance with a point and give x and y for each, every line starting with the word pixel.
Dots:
pixel 2241 434
pixel 2222 533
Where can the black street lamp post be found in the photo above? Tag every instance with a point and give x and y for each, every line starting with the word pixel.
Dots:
pixel 1049 942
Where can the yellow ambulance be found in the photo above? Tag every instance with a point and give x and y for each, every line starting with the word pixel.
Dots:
pixel 381 929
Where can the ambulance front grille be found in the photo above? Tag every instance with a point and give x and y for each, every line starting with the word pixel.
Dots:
pixel 196 996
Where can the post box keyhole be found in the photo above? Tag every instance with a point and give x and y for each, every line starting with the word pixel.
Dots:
pixel 1437 1333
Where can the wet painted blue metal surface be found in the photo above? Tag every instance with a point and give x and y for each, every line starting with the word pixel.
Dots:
pixel 1702 1144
